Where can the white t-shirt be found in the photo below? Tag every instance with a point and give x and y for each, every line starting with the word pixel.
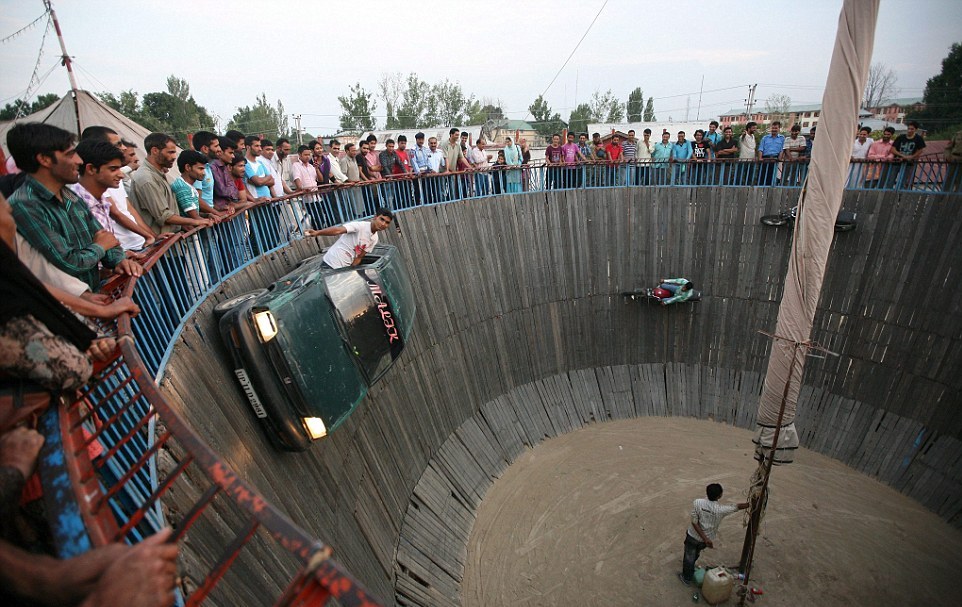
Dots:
pixel 860 150
pixel 341 253
pixel 746 147
pixel 277 190
pixel 129 241
pixel 708 515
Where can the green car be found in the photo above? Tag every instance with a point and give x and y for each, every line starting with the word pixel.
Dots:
pixel 307 349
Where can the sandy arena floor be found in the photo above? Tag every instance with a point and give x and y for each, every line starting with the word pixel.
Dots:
pixel 598 517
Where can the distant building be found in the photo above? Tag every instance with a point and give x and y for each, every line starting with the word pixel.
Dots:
pixel 606 129
pixel 806 116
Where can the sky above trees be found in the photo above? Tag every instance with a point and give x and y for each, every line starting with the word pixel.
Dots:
pixel 500 51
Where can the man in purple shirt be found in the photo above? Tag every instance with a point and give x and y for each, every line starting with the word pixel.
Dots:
pixel 571 154
pixel 225 190
pixel 554 160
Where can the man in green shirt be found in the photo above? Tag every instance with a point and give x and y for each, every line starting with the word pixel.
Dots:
pixel 150 192
pixel 54 220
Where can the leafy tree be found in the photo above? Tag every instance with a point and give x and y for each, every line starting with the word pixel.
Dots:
pixel 357 110
pixel 606 108
pixel 9 111
pixel 173 111
pixel 942 114
pixel 416 105
pixel 262 119
pixel 451 104
pixel 545 122
pixel 636 105
pixel 480 112
pixel 649 110
pixel 579 118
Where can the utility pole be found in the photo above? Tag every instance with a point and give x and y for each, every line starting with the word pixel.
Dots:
pixel 700 91
pixel 65 60
pixel 750 102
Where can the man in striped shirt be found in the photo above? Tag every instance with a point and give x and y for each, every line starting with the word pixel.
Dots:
pixel 706 515
pixel 50 217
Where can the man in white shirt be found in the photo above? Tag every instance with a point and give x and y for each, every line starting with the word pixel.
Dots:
pixel 859 155
pixel 862 143
pixel 266 158
pixel 706 515
pixel 357 238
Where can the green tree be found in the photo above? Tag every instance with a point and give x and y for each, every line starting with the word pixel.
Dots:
pixel 649 115
pixel 9 111
pixel 357 110
pixel 579 118
pixel 545 122
pixel 173 111
pixel 606 108
pixel 636 105
pixel 942 113
pixel 452 104
pixel 261 119
pixel 416 104
pixel 480 112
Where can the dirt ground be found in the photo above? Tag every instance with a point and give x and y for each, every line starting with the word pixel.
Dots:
pixel 598 517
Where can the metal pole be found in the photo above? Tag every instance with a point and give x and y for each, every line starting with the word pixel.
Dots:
pixel 65 60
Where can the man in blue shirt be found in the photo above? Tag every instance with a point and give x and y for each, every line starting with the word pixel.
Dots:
pixel 259 179
pixel 768 150
pixel 680 155
pixel 660 157
pixel 713 136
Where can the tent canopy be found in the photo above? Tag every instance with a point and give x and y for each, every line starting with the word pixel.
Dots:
pixel 92 111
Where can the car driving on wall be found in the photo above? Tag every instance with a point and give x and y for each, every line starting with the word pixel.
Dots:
pixel 307 349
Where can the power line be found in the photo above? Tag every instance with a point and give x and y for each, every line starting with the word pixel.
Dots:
pixel 573 51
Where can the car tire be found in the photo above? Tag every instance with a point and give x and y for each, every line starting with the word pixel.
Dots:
pixel 774 220
pixel 229 304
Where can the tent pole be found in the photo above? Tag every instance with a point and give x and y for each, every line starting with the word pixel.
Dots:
pixel 65 61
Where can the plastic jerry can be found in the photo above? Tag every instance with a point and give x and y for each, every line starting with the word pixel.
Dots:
pixel 717 586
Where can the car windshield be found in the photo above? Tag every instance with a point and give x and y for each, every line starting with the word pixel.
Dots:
pixel 366 319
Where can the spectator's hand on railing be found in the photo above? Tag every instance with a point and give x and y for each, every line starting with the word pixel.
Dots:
pixel 102 349
pixel 145 576
pixel 97 298
pixel 129 267
pixel 19 449
pixel 118 307
pixel 106 239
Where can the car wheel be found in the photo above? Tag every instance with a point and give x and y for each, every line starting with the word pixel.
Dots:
pixel 773 220
pixel 227 305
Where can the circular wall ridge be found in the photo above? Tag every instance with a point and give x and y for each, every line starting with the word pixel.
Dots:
pixel 513 291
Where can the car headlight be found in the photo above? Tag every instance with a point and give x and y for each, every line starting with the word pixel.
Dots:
pixel 315 427
pixel 266 327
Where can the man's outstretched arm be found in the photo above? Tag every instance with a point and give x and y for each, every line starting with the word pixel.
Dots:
pixel 331 231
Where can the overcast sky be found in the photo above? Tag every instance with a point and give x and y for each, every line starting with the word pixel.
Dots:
pixel 306 53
